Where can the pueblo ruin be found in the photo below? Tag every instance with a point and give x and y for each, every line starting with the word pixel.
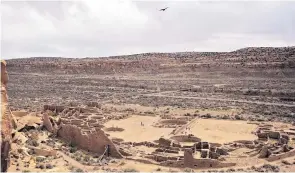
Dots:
pixel 193 111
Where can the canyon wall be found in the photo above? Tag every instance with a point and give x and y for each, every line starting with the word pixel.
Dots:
pixel 7 120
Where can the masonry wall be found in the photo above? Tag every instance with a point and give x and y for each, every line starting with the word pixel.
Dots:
pixel 94 142
pixel 281 156
pixel 191 162
pixel 186 138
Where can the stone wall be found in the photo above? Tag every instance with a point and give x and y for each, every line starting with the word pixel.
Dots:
pixel 281 156
pixel 186 138
pixel 191 162
pixel 94 141
pixel 53 108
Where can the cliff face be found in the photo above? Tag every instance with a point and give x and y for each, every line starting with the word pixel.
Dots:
pixel 249 58
pixel 7 123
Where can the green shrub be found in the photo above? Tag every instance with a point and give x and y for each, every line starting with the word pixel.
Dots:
pixel 73 149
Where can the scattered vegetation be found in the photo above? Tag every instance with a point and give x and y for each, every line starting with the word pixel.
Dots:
pixel 130 170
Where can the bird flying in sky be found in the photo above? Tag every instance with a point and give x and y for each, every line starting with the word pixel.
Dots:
pixel 163 9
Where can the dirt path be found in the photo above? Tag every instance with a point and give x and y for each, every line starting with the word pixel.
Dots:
pixel 223 100
pixel 182 128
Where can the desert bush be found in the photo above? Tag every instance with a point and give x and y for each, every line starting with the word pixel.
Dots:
pixel 79 170
pixel 49 166
pixel 130 170
pixel 33 142
pixel 149 112
pixel 129 110
pixel 78 158
pixel 187 114
pixel 158 169
pixel 237 117
pixel 286 162
pixel 72 144
pixel 73 149
pixel 188 170
pixel 87 158
pixel 114 129
pixel 122 163
pixel 40 159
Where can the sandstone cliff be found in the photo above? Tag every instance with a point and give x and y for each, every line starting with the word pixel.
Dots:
pixel 248 58
pixel 7 121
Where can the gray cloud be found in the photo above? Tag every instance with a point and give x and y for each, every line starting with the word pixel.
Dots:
pixel 104 28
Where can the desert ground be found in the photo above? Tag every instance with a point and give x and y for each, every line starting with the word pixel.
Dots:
pixel 189 111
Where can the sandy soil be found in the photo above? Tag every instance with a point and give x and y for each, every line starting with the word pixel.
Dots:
pixel 222 131
pixel 134 132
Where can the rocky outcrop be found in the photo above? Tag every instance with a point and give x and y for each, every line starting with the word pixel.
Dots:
pixel 43 152
pixel 49 124
pixel 94 141
pixel 7 120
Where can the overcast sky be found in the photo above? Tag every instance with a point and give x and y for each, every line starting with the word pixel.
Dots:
pixel 109 27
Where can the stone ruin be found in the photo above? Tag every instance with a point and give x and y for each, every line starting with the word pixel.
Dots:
pixel 80 128
pixel 169 152
pixel 191 162
pixel 277 150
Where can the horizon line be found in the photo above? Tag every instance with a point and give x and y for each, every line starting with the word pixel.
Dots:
pixel 67 57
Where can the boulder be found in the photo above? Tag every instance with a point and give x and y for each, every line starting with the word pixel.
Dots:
pixel 49 123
